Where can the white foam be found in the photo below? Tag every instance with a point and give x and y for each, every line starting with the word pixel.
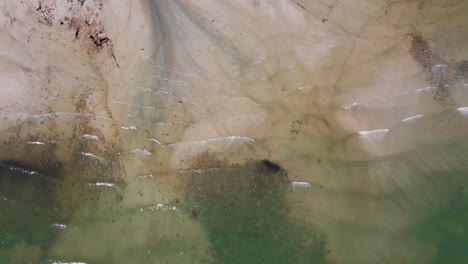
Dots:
pixel 373 133
pixel 129 127
pixel 306 88
pixel 90 137
pixel 412 118
pixel 159 207
pixel 145 176
pixel 59 226
pixel 142 152
pixel 463 110
pixel 35 143
pixel 201 171
pixel 372 137
pixel 90 155
pixel 103 184
pixel 426 89
pixel 23 171
pixel 351 106
pixel 303 185
pixel 155 141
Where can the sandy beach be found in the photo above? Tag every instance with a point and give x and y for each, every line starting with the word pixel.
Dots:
pixel 254 131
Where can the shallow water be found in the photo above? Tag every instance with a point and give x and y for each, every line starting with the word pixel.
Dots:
pixel 243 214
pixel 176 131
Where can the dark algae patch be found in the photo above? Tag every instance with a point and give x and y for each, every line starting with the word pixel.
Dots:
pixel 244 212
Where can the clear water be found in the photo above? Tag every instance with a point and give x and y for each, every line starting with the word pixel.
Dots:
pixel 243 212
pixel 175 131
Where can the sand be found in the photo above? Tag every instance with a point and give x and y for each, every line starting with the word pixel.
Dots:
pixel 234 132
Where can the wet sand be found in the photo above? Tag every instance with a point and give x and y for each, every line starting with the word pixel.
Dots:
pixel 250 132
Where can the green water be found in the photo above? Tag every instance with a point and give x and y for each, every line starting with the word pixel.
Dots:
pixel 244 214
pixel 248 220
pixel 27 210
pixel 243 211
pixel 448 228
